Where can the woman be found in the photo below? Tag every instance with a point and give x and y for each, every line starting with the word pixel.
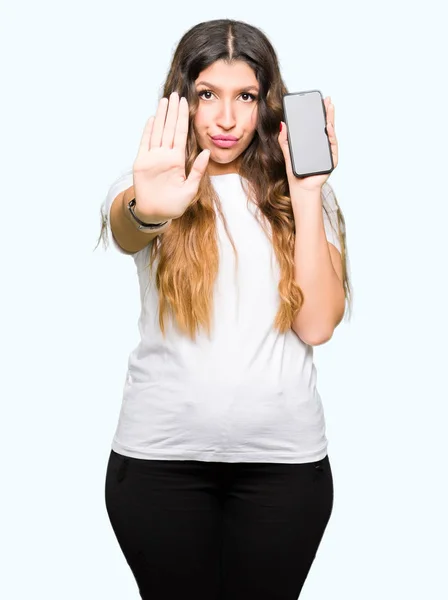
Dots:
pixel 219 484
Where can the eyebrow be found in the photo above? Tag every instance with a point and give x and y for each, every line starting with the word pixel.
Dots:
pixel 247 87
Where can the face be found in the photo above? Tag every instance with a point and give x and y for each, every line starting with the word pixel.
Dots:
pixel 228 107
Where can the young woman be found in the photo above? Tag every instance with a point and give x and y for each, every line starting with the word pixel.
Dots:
pixel 219 485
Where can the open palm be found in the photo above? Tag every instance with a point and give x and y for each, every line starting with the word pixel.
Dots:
pixel 160 183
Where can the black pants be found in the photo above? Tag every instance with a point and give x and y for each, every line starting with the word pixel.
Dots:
pixel 218 531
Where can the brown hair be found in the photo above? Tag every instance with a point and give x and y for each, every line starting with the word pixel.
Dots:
pixel 188 250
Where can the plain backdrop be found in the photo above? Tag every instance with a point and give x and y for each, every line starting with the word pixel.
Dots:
pixel 79 80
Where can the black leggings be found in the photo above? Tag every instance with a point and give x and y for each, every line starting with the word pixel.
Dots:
pixel 218 531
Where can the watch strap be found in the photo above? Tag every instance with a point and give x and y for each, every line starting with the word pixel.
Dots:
pixel 142 224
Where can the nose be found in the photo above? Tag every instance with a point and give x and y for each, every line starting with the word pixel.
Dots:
pixel 226 116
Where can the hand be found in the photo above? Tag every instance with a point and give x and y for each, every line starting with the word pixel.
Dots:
pixel 160 184
pixel 314 181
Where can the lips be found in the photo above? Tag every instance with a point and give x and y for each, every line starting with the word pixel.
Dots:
pixel 225 138
pixel 224 143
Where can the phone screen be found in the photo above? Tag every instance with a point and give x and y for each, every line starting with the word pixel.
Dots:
pixel 307 137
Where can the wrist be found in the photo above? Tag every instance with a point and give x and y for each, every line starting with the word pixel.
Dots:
pixel 128 197
pixel 149 219
pixel 306 196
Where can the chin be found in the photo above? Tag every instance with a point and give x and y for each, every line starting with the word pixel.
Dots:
pixel 223 158
pixel 221 161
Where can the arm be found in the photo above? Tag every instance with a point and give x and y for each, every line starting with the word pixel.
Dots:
pixel 124 228
pixel 318 272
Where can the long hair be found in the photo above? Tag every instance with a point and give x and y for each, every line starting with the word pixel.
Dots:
pixel 188 250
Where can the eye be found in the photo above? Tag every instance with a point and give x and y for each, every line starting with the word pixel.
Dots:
pixel 252 97
pixel 204 92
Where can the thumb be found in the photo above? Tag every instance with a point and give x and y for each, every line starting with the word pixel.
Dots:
pixel 284 145
pixel 197 170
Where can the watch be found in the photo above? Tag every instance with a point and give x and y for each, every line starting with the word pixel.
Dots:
pixel 141 224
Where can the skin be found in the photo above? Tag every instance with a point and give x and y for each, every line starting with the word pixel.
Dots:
pixel 228 108
pixel 303 185
pixel 228 104
pixel 164 192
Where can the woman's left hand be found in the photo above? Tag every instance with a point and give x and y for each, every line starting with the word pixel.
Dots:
pixel 314 181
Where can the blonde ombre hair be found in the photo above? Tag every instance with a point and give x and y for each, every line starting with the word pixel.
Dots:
pixel 188 257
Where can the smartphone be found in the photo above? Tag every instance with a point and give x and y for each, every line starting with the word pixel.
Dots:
pixel 309 146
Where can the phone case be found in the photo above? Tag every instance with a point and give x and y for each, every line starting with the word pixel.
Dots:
pixel 309 146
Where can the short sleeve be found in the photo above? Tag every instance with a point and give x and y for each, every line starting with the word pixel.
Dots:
pixel 123 182
pixel 330 219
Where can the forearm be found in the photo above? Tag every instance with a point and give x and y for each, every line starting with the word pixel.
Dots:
pixel 314 273
pixel 124 228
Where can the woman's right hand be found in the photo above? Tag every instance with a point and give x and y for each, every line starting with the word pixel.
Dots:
pixel 160 185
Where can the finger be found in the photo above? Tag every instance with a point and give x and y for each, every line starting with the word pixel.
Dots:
pixel 159 123
pixel 335 153
pixel 197 171
pixel 330 114
pixel 171 120
pixel 326 103
pixel 146 136
pixel 181 133
pixel 284 145
pixel 333 143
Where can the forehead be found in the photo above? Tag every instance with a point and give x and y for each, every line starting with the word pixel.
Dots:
pixel 235 74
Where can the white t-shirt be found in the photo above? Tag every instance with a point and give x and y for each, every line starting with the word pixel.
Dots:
pixel 246 394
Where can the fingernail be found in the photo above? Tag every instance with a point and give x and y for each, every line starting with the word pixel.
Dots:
pixel 281 126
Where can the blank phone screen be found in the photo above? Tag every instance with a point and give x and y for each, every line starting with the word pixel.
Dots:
pixel 308 141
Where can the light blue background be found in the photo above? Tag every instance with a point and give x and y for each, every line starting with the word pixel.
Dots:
pixel 79 81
